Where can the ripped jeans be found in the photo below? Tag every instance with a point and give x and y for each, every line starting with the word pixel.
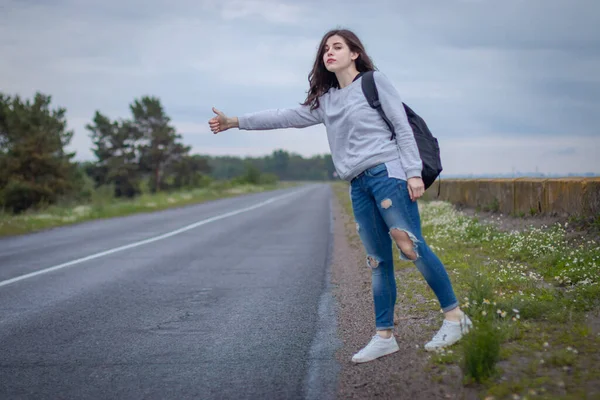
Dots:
pixel 381 204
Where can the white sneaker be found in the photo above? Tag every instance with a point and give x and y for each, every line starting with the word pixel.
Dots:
pixel 449 333
pixel 377 347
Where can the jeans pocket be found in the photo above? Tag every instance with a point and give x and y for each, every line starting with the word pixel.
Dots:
pixel 403 186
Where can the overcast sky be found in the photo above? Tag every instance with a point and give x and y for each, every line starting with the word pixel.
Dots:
pixel 511 85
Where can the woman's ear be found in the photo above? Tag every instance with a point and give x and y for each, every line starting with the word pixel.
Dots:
pixel 354 56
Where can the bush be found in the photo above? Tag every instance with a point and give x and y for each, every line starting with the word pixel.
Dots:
pixel 18 196
pixel 481 350
pixel 102 196
pixel 202 181
pixel 482 344
pixel 251 176
pixel 84 185
pixel 269 179
pixel 145 186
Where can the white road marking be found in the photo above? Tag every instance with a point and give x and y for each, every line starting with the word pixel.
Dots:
pixel 143 242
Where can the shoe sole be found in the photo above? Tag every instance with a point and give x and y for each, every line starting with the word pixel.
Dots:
pixel 372 359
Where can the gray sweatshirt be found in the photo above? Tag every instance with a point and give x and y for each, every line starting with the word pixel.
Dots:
pixel 358 137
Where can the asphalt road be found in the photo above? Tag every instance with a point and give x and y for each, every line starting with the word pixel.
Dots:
pixel 226 299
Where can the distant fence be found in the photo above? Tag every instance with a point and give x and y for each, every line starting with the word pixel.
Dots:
pixel 523 196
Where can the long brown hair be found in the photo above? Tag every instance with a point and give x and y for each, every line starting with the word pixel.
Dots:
pixel 320 79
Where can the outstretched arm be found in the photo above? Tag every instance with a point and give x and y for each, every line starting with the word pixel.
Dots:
pixel 299 117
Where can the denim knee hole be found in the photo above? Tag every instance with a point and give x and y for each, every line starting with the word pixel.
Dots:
pixel 372 262
pixel 412 238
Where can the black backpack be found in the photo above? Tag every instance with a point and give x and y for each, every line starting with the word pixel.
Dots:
pixel 429 148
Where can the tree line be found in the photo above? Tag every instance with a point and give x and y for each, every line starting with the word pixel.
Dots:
pixel 143 153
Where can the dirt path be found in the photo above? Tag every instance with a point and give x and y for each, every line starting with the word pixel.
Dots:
pixel 407 374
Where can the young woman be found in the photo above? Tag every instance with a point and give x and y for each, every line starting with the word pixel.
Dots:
pixel 384 175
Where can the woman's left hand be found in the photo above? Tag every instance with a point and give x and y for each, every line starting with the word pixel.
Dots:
pixel 416 187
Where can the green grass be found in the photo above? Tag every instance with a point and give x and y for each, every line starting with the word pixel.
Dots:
pixel 103 205
pixel 536 286
pixel 528 294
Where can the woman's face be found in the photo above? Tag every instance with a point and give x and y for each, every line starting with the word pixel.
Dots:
pixel 337 55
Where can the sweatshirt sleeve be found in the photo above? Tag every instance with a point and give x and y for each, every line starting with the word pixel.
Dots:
pixel 299 117
pixel 394 110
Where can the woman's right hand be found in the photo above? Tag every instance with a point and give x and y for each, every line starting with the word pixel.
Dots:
pixel 220 122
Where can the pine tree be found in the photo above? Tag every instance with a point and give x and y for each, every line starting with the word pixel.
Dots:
pixel 116 148
pixel 34 166
pixel 160 147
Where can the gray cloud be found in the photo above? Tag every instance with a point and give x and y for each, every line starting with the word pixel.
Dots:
pixel 512 24
pixel 481 73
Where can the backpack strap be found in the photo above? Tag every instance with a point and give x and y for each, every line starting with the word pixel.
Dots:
pixel 370 91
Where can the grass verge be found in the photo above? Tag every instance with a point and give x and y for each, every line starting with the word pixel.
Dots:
pixel 103 205
pixel 533 296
